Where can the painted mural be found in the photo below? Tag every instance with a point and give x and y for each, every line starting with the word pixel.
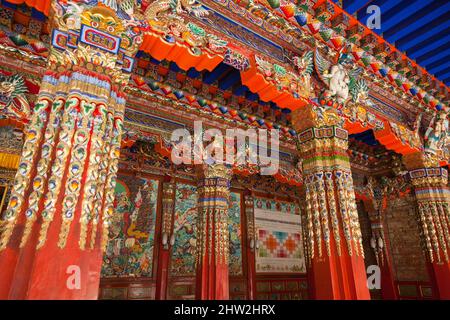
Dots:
pixel 132 232
pixel 279 233
pixel 234 225
pixel 183 250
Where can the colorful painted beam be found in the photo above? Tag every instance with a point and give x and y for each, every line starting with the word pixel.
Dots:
pixel 304 19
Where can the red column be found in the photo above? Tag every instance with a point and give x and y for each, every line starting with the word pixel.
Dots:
pixel 440 279
pixel 63 189
pixel 435 231
pixel 389 290
pixel 380 242
pixel 334 241
pixel 56 224
pixel 334 238
pixel 212 233
pixel 433 201
pixel 250 245
pixel 165 239
pixel 338 277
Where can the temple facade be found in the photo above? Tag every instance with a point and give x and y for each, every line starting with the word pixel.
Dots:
pixel 115 175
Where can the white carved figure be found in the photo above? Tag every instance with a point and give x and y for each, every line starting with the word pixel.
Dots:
pixel 338 82
pixel 341 82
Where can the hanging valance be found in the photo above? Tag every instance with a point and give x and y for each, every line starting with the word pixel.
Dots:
pixel 40 5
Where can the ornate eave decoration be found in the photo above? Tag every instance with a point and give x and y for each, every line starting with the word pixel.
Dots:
pixel 205 104
pixel 314 20
pixel 280 84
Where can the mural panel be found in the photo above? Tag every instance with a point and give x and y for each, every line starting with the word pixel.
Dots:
pixel 278 227
pixel 183 251
pixel 234 226
pixel 132 232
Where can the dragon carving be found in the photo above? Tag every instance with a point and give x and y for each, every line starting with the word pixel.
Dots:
pixel 305 67
pixel 166 17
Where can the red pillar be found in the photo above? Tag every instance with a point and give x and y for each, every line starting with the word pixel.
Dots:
pixel 334 240
pixel 335 247
pixel 438 245
pixel 380 242
pixel 212 281
pixel 389 289
pixel 55 210
pixel 338 277
pixel 433 201
pixel 56 224
pixel 165 239
pixel 440 279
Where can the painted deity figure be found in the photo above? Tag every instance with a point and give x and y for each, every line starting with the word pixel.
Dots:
pixel 436 134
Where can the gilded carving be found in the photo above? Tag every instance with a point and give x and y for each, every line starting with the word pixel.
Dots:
pixel 330 200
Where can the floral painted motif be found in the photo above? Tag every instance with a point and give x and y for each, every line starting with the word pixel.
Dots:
pixel 183 250
pixel 132 233
pixel 234 225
